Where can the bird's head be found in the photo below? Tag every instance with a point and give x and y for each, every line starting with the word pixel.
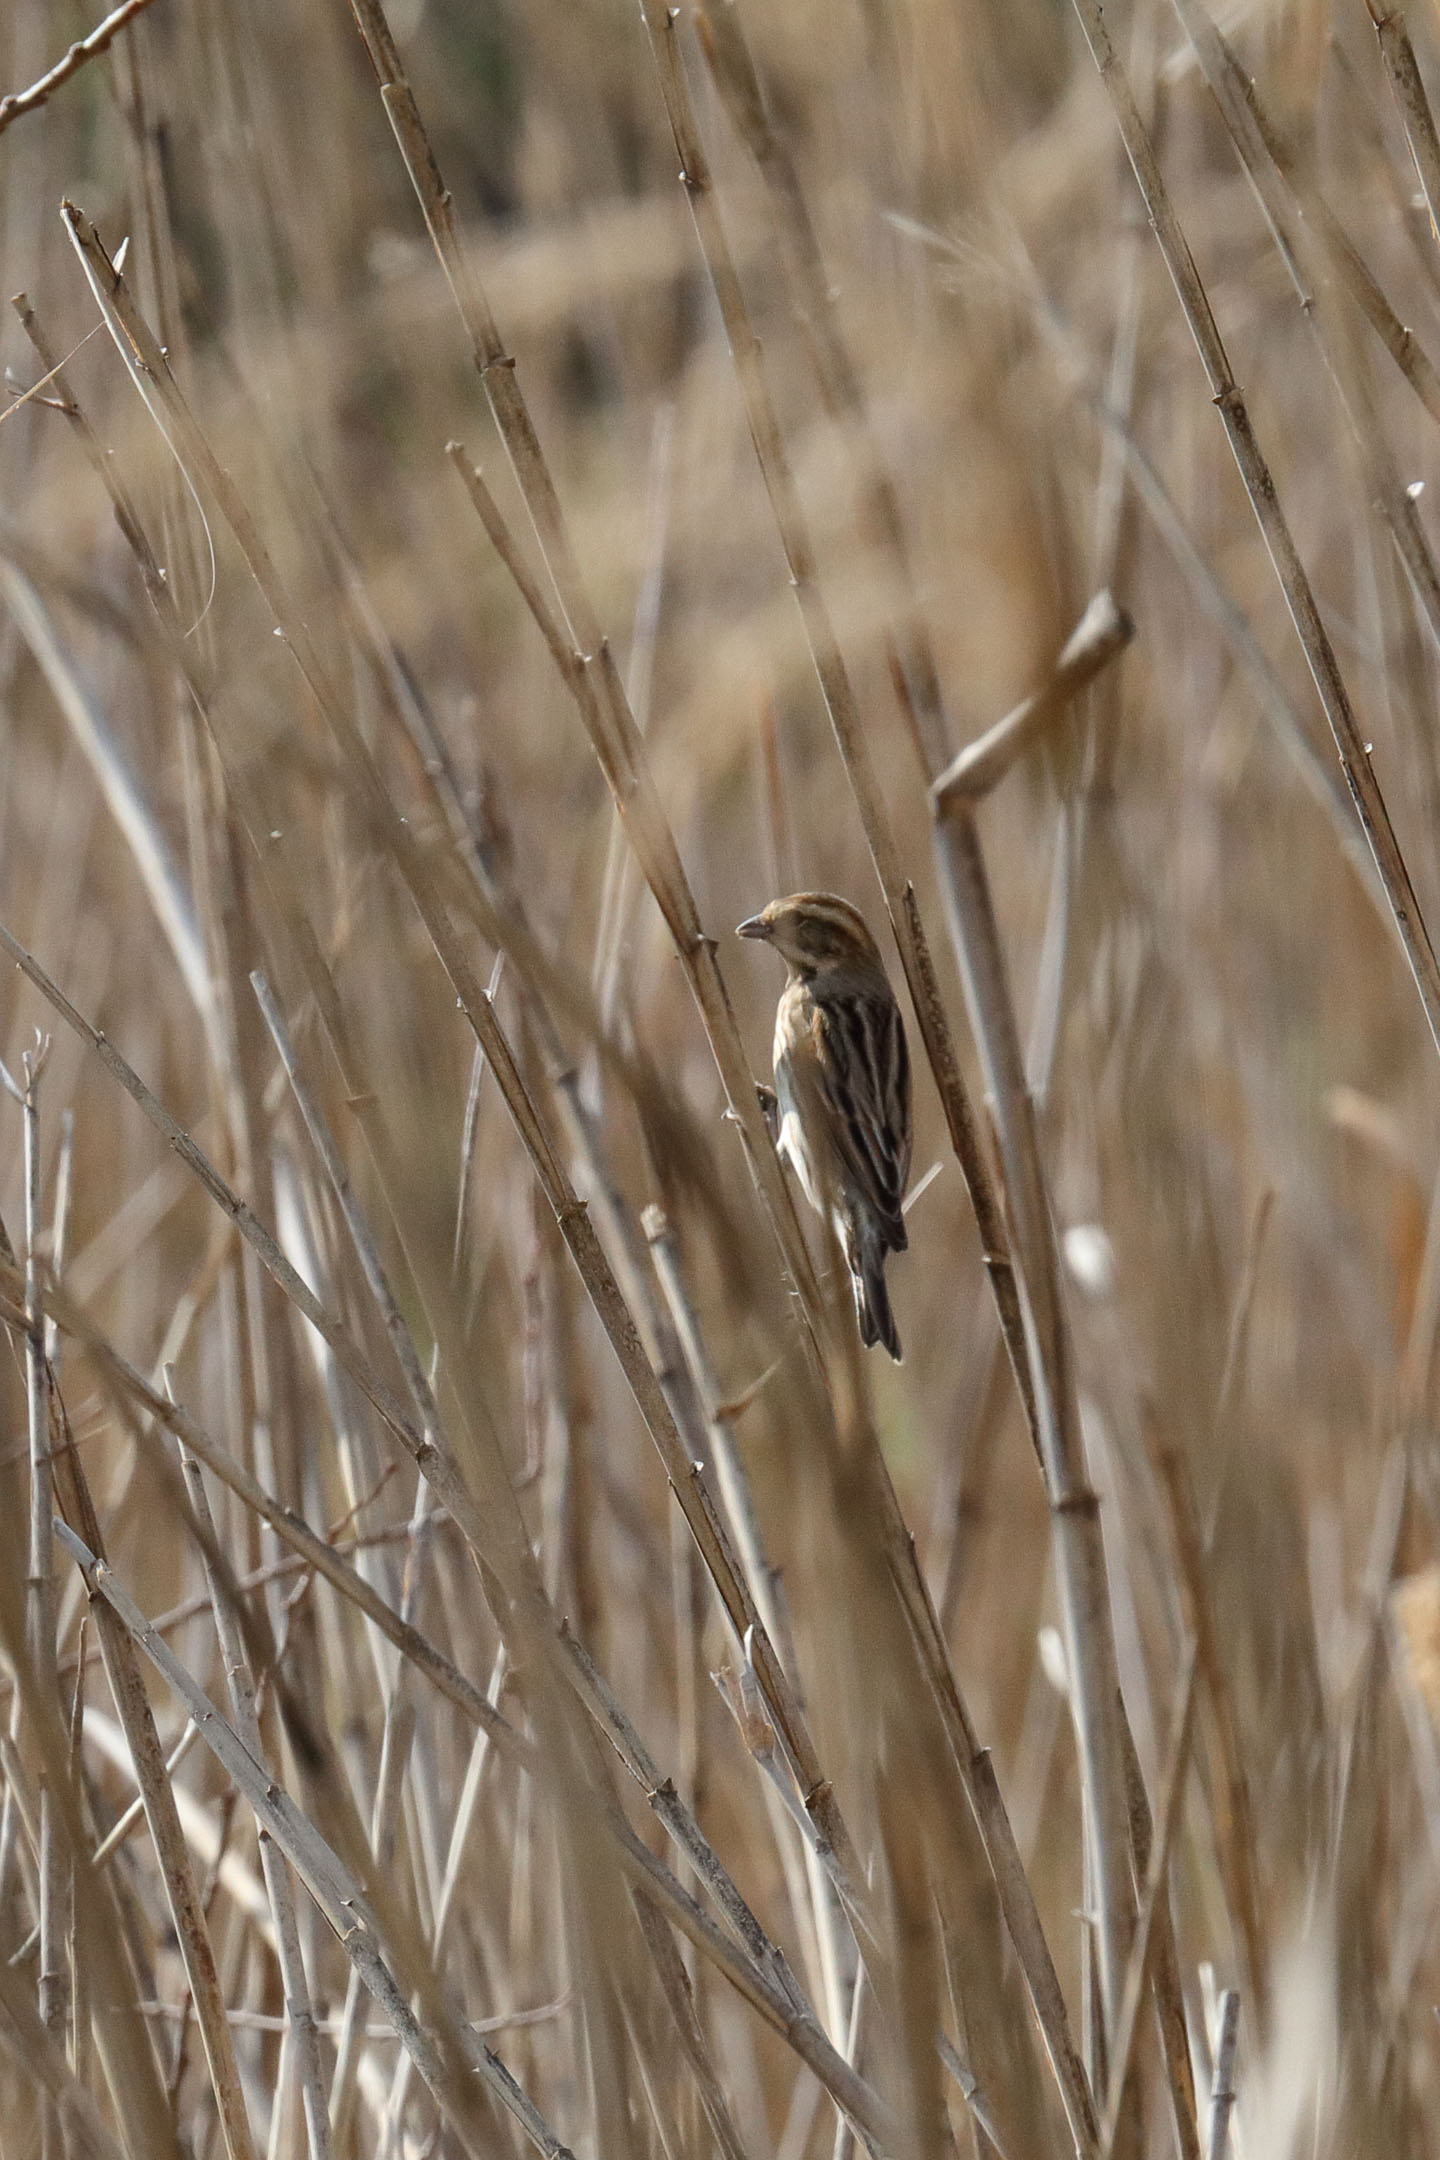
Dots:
pixel 814 932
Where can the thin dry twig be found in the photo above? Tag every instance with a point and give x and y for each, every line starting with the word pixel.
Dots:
pixel 87 48
pixel 1260 487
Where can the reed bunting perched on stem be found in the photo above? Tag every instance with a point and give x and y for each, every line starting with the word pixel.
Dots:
pixel 842 1078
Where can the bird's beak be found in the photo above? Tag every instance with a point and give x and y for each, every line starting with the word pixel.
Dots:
pixel 755 926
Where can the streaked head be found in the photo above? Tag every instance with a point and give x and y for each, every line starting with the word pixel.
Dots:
pixel 814 931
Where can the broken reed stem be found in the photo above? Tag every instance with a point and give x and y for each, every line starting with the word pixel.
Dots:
pixel 40 1606
pixel 609 722
pixel 835 683
pixel 1260 487
pixel 336 1892
pixel 1102 632
pixel 299 2010
pixel 151 374
pixel 1075 1510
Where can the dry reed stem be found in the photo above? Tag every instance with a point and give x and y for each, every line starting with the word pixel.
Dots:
pixel 1318 776
pixel 132 1704
pixel 614 735
pixel 40 2064
pixel 40 1605
pixel 1222 2090
pixel 732 65
pixel 1101 633
pixel 1260 487
pixel 1309 268
pixel 1406 81
pixel 1153 1894
pixel 753 1966
pixel 1409 355
pixel 331 1885
pixel 162 395
pixel 399 1334
pixel 1166 1981
pixel 1230 1800
pixel 98 41
pixel 765 1581
pixel 1075 1514
pixel 299 2012
pixel 835 684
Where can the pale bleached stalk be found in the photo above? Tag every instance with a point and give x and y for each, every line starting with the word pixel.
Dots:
pixel 151 374
pixel 460 1835
pixel 443 2062
pixel 133 816
pixel 299 2010
pixel 1075 1513
pixel 1317 774
pixel 1354 274
pixel 396 1739
pixel 754 1976
pixel 127 1686
pixel 1170 2021
pixel 764 1577
pixel 1222 2089
pixel 54 1981
pixel 839 2076
pixel 679 2000
pixel 1407 83
pixel 138 2094
pixel 680 1397
pixel 1142 1949
pixel 368 1253
pixel 1260 487
pixel 134 1815
pixel 733 1478
pixel 1101 633
pixel 1230 1803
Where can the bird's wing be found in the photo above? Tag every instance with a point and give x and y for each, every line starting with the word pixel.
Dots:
pixel 864 1072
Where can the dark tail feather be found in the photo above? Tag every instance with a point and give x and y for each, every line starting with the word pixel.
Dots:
pixel 872 1304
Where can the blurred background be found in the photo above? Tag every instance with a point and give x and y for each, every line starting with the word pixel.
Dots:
pixel 1236 1088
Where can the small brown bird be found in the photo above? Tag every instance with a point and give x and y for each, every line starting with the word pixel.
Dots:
pixel 842 1078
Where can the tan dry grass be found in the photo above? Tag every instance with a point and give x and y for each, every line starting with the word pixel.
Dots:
pixel 1240 1094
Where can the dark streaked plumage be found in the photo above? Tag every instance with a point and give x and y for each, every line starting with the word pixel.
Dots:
pixel 842 1078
